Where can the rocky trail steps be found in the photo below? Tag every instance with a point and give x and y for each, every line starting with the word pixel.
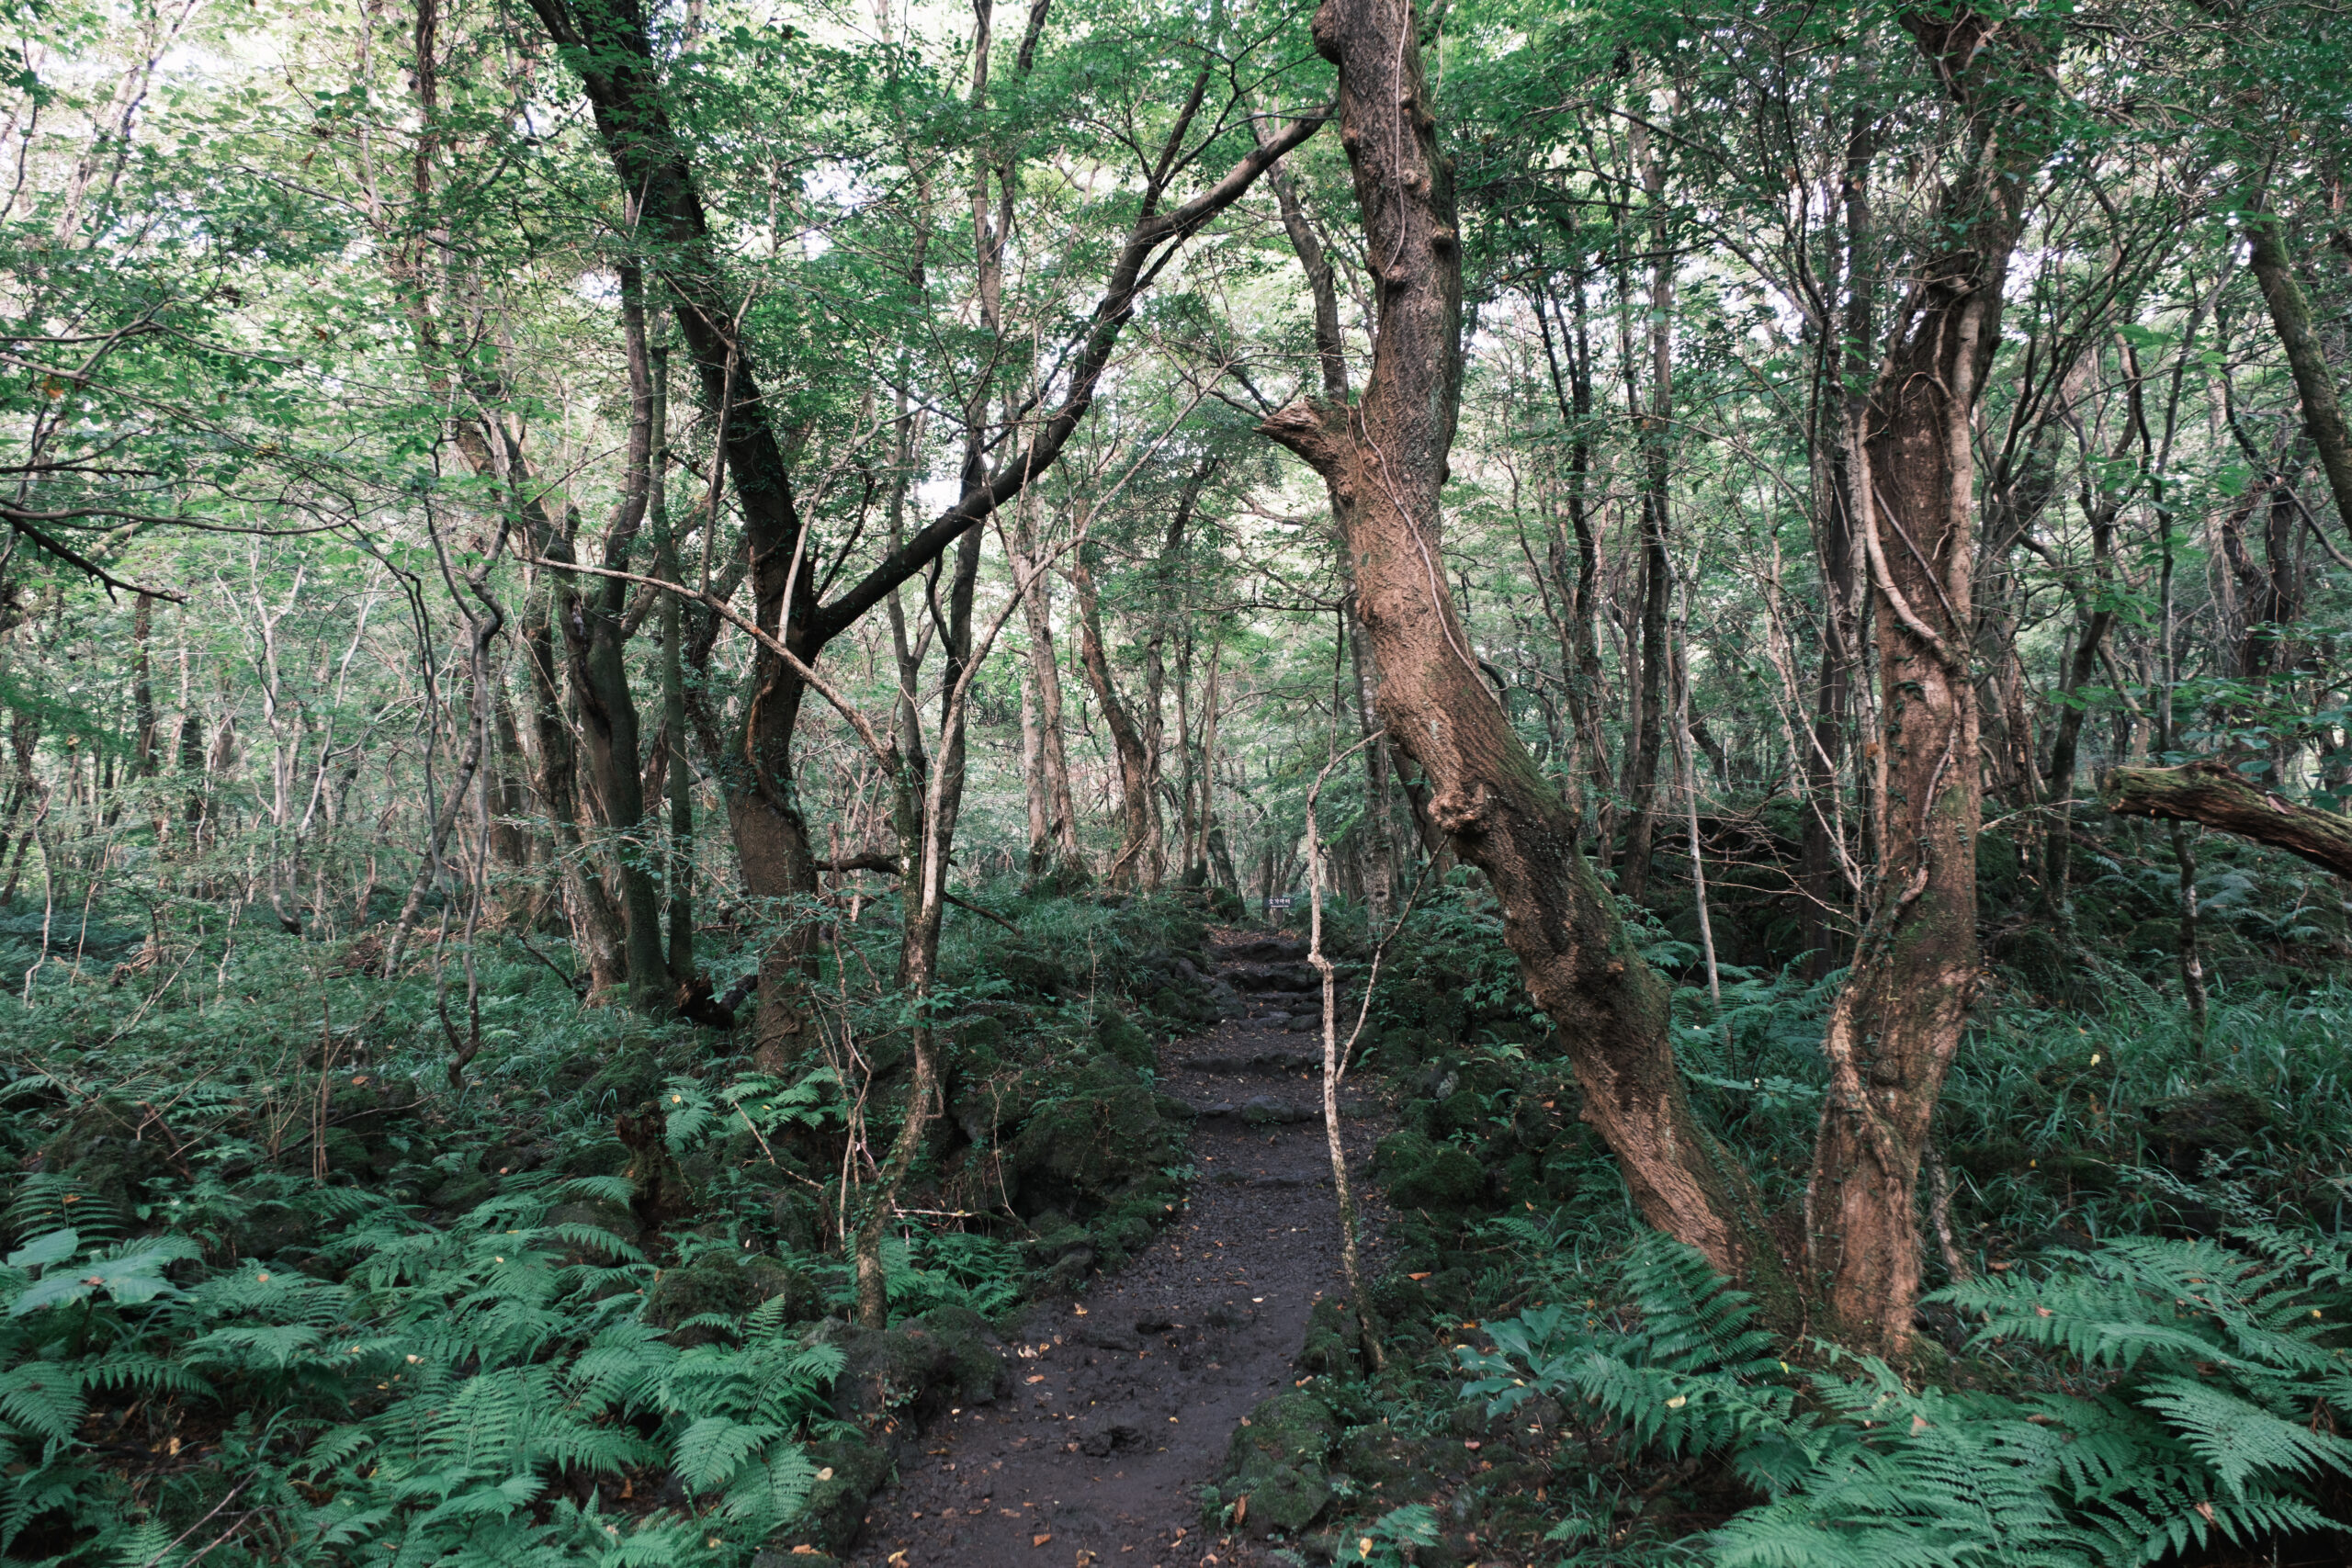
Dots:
pixel 1125 1399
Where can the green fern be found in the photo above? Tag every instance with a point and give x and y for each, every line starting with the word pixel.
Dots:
pixel 2213 1375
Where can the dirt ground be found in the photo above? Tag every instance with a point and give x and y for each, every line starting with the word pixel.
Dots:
pixel 1126 1398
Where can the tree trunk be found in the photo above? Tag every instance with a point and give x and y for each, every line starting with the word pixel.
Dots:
pixel 1054 857
pixel 2213 795
pixel 1385 462
pixel 1126 740
pixel 2096 614
pixel 677 774
pixel 1578 580
pixel 142 690
pixel 1657 571
pixel 596 926
pixel 2291 316
pixel 1892 1031
pixel 596 633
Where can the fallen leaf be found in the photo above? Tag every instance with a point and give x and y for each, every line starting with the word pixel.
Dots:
pixel 1039 1539
pixel 1421 1276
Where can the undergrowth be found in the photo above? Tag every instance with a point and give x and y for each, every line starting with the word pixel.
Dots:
pixel 2154 1395
pixel 276 1289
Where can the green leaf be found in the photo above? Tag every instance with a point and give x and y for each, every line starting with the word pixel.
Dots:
pixel 54 1247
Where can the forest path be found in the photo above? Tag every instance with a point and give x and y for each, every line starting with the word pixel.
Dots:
pixel 1123 1401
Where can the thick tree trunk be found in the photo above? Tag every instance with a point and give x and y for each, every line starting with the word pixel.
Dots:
pixel 2291 316
pixel 2213 795
pixel 1893 1029
pixel 1385 462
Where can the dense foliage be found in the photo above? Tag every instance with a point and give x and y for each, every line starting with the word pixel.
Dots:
pixel 640 644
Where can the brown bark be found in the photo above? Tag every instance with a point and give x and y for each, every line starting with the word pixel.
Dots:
pixel 597 635
pixel 2291 316
pixel 1385 462
pixel 1892 1031
pixel 596 925
pixel 142 690
pixel 2213 795
pixel 1054 854
pixel 1126 740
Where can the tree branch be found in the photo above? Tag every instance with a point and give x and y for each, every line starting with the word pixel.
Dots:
pixel 2215 795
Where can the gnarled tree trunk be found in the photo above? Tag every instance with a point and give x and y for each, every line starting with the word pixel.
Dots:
pixel 1894 1028
pixel 1385 463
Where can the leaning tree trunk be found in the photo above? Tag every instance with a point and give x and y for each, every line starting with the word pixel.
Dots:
pixel 2290 317
pixel 1893 1029
pixel 1384 461
pixel 2214 794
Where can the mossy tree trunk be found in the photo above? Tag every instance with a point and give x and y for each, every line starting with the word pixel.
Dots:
pixel 2213 795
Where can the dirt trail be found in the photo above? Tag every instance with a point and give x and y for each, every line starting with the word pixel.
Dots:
pixel 1124 1399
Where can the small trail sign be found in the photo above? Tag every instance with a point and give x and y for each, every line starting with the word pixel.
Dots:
pixel 1278 900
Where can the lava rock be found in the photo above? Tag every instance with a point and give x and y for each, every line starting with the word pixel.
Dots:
pixel 714 1284
pixel 1423 1174
pixel 1276 1460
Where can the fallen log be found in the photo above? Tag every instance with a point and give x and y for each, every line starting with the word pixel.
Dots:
pixel 2215 795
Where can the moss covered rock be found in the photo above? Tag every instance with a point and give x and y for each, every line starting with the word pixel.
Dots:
pixel 1102 1140
pixel 1119 1035
pixel 112 1149
pixel 2217 1119
pixel 716 1285
pixel 632 1076
pixel 1423 1174
pixel 1274 1476
pixel 948 1356
pixel 1329 1349
pixel 849 1470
